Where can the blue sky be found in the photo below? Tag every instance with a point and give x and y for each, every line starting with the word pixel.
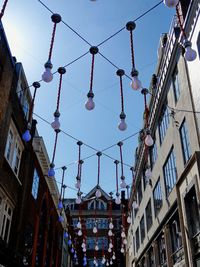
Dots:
pixel 28 27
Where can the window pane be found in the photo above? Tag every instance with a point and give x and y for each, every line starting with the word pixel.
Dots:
pixel 185 142
pixel 35 184
pixel 142 229
pixel 149 215
pixel 157 197
pixel 175 84
pixel 163 123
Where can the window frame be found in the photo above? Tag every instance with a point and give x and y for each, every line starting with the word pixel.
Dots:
pixel 142 229
pixel 176 84
pixel 146 215
pixel 185 141
pixel 164 122
pixel 157 190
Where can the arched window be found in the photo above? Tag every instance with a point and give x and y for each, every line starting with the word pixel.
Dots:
pixel 91 205
pixel 97 204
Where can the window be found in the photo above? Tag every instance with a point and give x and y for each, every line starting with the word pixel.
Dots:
pixel 176 240
pixel 185 142
pixel 153 154
pixel 198 44
pixel 102 242
pixel 97 204
pixel 163 123
pixel 175 84
pixel 192 212
pixel 90 223
pixel 151 258
pixel 24 99
pixel 162 251
pixel 142 229
pixel 137 238
pixel 139 192
pixel 169 170
pixel 157 197
pixel 148 215
pixel 6 212
pixel 102 223
pixel 35 185
pixel 14 147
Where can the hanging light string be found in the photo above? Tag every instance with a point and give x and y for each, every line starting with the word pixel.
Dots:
pixel 56 124
pixel 47 75
pixel 98 191
pixel 51 171
pixel 90 103
pixel 60 203
pixel 3 9
pixel 122 125
pixel 26 135
pixel 78 177
pixel 116 169
pixel 123 183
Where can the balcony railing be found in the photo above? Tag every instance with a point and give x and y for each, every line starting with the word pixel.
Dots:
pixel 196 243
pixel 178 255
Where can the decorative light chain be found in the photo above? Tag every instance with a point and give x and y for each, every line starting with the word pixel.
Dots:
pixel 123 183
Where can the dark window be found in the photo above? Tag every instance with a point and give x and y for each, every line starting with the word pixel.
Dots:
pixel 142 229
pixel 137 237
pixel 198 44
pixel 185 142
pixel 144 178
pixel 153 154
pixel 175 84
pixel 139 192
pixel 148 215
pixel 169 171
pixel 35 184
pixel 162 251
pixel 192 212
pixel 163 123
pixel 157 197
pixel 151 258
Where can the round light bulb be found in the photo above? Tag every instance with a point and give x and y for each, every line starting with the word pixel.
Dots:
pixel 111 262
pixel 60 205
pixel 84 249
pixel 148 140
pixel 135 205
pixel 125 241
pixel 55 124
pixel 190 54
pixel 95 230
pixel 66 235
pixel 83 245
pixel 110 233
pixel 171 3
pixel 89 105
pixel 26 136
pixel 123 184
pixel 114 257
pixel 111 226
pixel 103 261
pixel 51 172
pixel 75 255
pixel 60 218
pixel 129 219
pixel 96 248
pixel 109 250
pixel 78 200
pixel 79 232
pixel 72 250
pixel 110 245
pixel 118 200
pixel 122 250
pixel 69 242
pixel 47 76
pixel 136 83
pixel 122 126
pixel 78 225
pixel 148 173
pixel 78 184
pixel 98 193
pixel 107 264
pixel 123 234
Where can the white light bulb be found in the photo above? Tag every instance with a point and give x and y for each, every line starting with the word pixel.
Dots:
pixel 95 230
pixel 190 54
pixel 113 257
pixel 125 241
pixel 79 232
pixel 107 264
pixel 148 173
pixel 84 249
pixel 122 250
pixel 78 200
pixel 94 262
pixel 89 105
pixel 148 140
pixel 103 261
pixel 79 225
pixel 123 234
pixel 96 248
pixel 111 226
pixel 47 76
pixel 110 233
pixel 110 245
pixel 129 219
pixel 171 3
pixel 135 205
pixel 123 184
pixel 83 245
pixel 118 200
pixel 109 250
pixel 78 184
pixel 55 124
pixel 111 262
pixel 98 193
pixel 122 126
pixel 136 83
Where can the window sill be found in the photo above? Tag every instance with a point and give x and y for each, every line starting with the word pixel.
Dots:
pixel 20 183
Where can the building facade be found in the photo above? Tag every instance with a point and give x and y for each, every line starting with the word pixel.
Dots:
pixel 30 233
pixel 165 225
pixel 97 213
